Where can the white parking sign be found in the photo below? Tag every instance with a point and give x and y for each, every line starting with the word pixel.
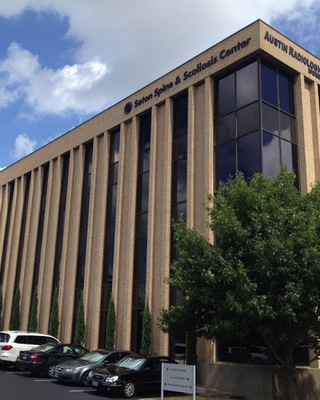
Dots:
pixel 178 378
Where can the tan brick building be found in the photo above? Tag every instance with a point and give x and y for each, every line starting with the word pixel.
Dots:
pixel 91 211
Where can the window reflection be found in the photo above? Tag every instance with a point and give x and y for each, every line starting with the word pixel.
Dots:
pixel 248 119
pixel 270 119
pixel 269 84
pixel 271 155
pixel 226 95
pixel 249 156
pixel 226 161
pixel 247 84
pixel 247 132
pixel 225 128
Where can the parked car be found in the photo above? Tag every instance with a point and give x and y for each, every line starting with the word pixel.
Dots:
pixel 77 371
pixel 43 359
pixel 258 355
pixel 12 342
pixel 130 375
pixel 235 354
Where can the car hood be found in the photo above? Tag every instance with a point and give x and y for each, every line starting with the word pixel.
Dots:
pixel 74 363
pixel 114 371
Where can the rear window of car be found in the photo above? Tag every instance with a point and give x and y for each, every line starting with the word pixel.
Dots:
pixel 4 337
pixel 33 339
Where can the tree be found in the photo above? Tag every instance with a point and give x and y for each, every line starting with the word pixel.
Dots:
pixel 54 315
pixel 15 316
pixel 146 340
pixel 111 325
pixel 33 321
pixel 262 273
pixel 80 325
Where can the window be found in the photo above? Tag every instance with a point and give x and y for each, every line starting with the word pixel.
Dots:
pixel 254 133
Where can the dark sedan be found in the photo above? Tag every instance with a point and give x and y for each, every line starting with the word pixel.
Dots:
pixel 43 359
pixel 77 371
pixel 130 375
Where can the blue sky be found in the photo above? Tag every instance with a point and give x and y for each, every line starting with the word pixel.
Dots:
pixel 64 61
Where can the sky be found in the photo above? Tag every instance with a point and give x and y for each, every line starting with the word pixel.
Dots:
pixel 64 61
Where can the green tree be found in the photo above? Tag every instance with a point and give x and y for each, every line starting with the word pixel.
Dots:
pixel 146 340
pixel 80 331
pixel 33 320
pixel 15 316
pixel 1 307
pixel 54 315
pixel 111 325
pixel 261 276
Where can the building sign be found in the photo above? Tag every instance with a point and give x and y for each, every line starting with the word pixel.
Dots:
pixel 166 86
pixel 313 68
pixel 178 378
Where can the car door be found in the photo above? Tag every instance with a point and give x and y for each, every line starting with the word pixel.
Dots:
pixel 150 375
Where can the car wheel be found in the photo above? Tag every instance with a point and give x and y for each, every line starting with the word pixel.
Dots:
pixel 50 370
pixel 129 389
pixel 84 379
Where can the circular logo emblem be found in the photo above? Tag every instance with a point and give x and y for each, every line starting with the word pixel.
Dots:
pixel 128 108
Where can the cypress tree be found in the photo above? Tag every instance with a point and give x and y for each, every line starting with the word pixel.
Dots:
pixel 146 340
pixel 111 325
pixel 80 326
pixel 15 316
pixel 54 315
pixel 33 321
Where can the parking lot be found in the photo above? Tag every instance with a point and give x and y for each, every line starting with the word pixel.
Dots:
pixel 22 385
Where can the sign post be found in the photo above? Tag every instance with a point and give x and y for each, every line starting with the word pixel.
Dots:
pixel 178 378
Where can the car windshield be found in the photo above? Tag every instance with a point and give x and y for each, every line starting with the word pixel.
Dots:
pixel 94 356
pixel 131 363
pixel 45 347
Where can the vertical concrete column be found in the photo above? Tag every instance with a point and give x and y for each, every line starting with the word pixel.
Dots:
pixel 125 231
pixel 305 134
pixel 315 123
pixel 200 153
pixel 12 250
pixel 29 248
pixel 70 243
pixel 159 226
pixel 48 247
pixel 95 241
pixel 4 199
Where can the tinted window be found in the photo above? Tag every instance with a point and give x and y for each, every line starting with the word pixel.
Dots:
pixel 288 127
pixel 249 156
pixel 21 339
pixel 269 85
pixel 226 160
pixel 247 84
pixel 248 119
pixel 270 119
pixel 286 94
pixel 225 128
pixel 4 337
pixel 226 94
pixel 271 155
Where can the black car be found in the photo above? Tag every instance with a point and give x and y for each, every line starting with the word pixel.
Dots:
pixel 77 371
pixel 132 374
pixel 43 359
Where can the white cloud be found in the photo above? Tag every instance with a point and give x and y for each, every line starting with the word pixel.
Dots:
pixel 46 90
pixel 23 146
pixel 123 45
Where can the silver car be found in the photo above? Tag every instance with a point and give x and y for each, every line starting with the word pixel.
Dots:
pixel 77 371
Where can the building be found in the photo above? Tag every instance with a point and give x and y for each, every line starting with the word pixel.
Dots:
pixel 91 211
